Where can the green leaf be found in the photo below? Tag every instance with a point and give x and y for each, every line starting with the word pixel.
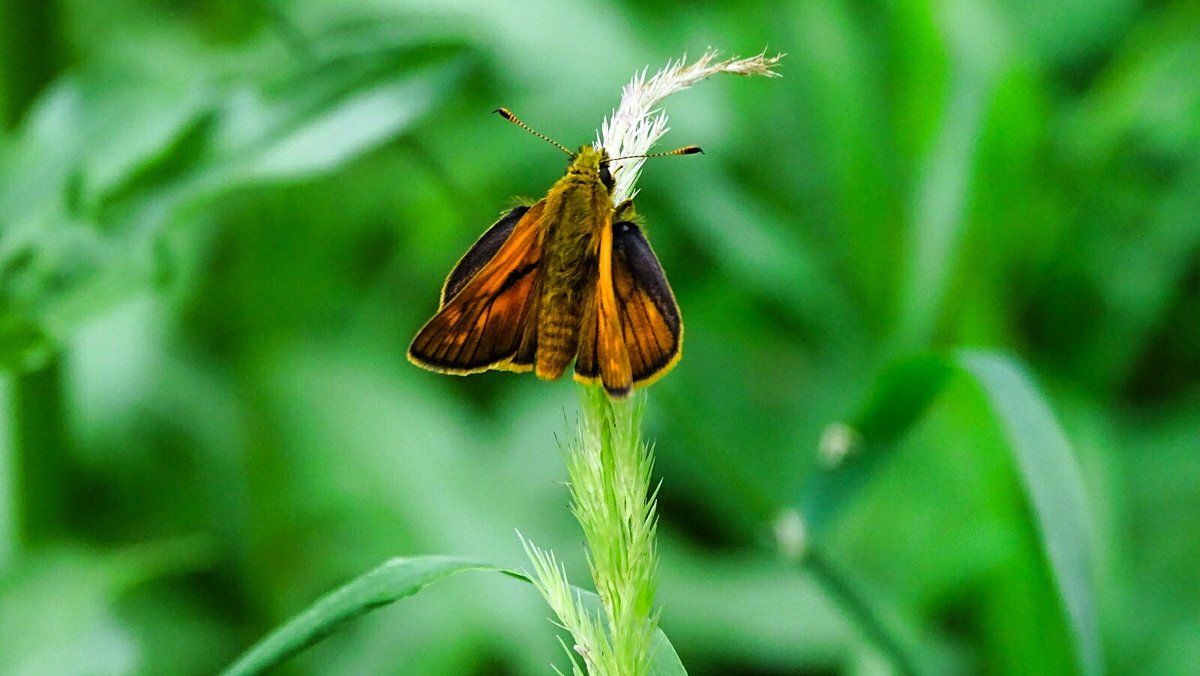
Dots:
pixel 23 345
pixel 664 661
pixel 1053 487
pixel 899 398
pixel 943 191
pixel 395 579
pixel 91 186
pixel 60 607
pixel 272 136
pixel 1041 454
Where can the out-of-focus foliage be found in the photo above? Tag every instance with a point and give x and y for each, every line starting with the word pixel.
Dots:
pixel 221 223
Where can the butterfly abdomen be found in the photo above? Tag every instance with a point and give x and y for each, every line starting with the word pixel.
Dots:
pixel 565 291
pixel 557 334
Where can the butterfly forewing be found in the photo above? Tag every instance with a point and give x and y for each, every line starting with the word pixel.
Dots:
pixel 484 250
pixel 487 301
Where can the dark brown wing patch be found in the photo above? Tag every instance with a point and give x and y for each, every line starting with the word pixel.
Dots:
pixel 651 324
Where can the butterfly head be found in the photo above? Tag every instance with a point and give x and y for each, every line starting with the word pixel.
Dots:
pixel 591 163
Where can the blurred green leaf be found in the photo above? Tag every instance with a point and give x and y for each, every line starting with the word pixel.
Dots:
pixel 58 609
pixel 1053 486
pixel 938 218
pixel 323 115
pixel 1040 452
pixel 103 168
pixel 898 399
pixel 23 345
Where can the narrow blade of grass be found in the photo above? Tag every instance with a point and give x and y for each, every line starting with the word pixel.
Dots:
pixel 393 580
pixel 1053 487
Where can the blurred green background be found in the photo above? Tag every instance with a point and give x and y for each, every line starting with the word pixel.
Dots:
pixel 222 221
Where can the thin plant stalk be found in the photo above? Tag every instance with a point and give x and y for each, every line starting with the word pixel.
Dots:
pixel 32 444
pixel 609 471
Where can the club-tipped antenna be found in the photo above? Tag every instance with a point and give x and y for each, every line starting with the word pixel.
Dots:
pixel 686 150
pixel 506 114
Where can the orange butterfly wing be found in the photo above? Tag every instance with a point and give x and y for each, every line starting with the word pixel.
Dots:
pixel 635 333
pixel 487 302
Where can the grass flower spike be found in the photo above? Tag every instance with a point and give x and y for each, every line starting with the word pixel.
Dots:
pixel 637 123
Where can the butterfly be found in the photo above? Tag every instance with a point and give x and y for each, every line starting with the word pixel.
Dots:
pixel 569 277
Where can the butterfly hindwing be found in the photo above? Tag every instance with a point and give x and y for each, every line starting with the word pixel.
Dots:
pixel 633 333
pixel 651 324
pixel 486 304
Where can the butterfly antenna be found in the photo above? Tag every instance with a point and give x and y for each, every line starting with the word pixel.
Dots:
pixel 686 150
pixel 506 114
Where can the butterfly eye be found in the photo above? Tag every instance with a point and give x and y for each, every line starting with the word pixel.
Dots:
pixel 606 176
